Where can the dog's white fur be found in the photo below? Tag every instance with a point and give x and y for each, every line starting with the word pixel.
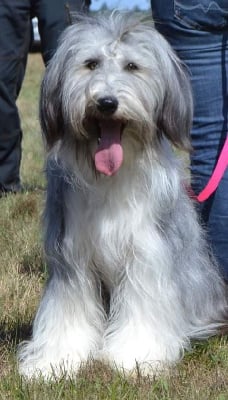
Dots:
pixel 134 233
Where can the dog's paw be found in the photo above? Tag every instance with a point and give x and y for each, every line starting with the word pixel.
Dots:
pixel 47 367
pixel 51 362
pixel 135 369
pixel 46 370
pixel 140 351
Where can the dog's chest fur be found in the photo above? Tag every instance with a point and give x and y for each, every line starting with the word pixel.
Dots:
pixel 111 219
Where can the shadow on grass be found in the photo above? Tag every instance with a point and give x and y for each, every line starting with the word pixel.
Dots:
pixel 15 334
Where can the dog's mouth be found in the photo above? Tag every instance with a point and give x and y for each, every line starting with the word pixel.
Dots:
pixel 108 155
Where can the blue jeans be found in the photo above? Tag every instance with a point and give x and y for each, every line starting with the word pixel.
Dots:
pixel 199 34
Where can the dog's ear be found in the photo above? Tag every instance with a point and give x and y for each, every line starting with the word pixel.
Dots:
pixel 175 117
pixel 50 105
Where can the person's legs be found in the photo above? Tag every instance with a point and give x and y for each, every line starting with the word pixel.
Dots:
pixel 53 17
pixel 14 42
pixel 200 37
pixel 208 135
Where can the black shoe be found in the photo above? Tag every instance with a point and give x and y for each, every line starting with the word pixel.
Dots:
pixel 10 189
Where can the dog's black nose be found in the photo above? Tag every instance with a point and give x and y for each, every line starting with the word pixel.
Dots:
pixel 107 105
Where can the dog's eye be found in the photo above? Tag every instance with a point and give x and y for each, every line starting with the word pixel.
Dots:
pixel 91 64
pixel 131 67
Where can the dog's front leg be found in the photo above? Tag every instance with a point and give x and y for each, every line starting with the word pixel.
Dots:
pixel 69 323
pixel 143 327
pixel 67 329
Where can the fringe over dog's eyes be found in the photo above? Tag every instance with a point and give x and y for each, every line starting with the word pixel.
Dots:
pixel 91 64
pixel 94 64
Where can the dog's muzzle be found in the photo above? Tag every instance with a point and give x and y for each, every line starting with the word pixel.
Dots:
pixel 104 121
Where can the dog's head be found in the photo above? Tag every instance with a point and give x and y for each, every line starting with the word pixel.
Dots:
pixel 113 78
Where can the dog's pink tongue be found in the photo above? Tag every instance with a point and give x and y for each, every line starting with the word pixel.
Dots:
pixel 109 154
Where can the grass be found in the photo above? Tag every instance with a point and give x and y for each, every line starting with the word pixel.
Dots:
pixel 202 374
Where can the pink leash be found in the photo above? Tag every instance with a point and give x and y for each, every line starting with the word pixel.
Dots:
pixel 217 175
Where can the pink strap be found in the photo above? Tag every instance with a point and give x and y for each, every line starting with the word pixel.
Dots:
pixel 217 174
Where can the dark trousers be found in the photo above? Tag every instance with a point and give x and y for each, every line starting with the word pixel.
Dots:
pixel 15 36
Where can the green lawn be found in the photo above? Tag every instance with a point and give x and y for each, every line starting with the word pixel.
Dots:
pixel 203 373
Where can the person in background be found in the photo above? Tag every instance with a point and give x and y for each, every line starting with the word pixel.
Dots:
pixel 198 31
pixel 15 37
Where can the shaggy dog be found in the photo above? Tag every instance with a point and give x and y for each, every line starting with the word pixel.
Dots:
pixel 130 275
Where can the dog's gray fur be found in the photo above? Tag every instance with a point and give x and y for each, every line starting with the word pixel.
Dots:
pixel 132 229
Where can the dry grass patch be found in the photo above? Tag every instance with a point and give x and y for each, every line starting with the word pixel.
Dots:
pixel 21 262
